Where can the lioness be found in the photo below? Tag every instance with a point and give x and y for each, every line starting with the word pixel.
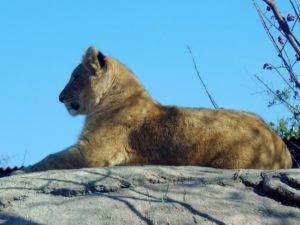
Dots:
pixel 125 126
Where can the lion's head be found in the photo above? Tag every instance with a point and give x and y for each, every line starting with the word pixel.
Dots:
pixel 87 84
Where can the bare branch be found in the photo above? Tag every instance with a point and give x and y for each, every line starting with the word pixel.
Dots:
pixel 202 82
pixel 284 25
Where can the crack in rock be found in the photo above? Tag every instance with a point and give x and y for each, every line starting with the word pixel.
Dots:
pixel 278 186
pixel 294 180
pixel 281 187
pixel 160 179
pixel 88 189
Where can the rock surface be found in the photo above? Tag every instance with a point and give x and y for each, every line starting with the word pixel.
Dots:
pixel 151 195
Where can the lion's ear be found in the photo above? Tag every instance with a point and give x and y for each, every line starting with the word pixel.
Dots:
pixel 93 60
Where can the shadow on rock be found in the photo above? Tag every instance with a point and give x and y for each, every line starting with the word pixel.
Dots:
pixel 13 220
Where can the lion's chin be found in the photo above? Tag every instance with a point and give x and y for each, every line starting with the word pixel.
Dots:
pixel 73 112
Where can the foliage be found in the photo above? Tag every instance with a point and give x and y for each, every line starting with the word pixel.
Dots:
pixel 285 129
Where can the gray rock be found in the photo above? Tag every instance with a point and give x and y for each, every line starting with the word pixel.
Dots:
pixel 151 195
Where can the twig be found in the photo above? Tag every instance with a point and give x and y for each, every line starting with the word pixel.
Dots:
pixel 24 157
pixel 289 106
pixel 282 77
pixel 294 8
pixel 215 105
pixel 297 6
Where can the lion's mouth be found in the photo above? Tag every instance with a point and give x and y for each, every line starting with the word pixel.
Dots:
pixel 75 106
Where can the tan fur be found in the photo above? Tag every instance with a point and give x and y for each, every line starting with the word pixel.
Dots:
pixel 125 126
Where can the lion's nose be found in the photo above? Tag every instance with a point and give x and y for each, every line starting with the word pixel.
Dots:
pixel 61 98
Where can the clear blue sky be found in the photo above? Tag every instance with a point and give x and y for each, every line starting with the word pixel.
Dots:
pixel 42 41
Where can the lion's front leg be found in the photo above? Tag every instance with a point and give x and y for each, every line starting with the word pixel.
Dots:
pixel 70 158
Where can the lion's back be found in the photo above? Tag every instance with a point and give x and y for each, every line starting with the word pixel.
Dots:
pixel 217 138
